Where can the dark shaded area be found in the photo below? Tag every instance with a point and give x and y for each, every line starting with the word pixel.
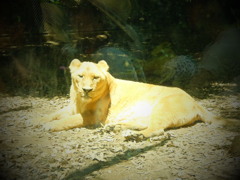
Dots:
pixel 80 174
pixel 16 109
pixel 181 43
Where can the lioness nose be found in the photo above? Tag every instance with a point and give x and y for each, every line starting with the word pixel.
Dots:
pixel 87 90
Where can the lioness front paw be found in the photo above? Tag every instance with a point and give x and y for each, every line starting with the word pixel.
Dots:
pixel 49 127
pixel 39 121
pixel 35 121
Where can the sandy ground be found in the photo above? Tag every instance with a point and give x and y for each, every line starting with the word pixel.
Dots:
pixel 200 151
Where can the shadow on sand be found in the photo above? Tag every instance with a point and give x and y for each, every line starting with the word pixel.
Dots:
pixel 80 174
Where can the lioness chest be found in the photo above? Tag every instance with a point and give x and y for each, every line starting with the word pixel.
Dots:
pixel 94 113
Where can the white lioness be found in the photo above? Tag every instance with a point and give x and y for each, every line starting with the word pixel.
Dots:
pixel 97 97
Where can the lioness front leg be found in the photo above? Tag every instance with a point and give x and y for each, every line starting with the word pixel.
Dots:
pixel 63 113
pixel 66 123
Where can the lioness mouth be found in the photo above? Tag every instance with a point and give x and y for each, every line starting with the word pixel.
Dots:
pixel 86 96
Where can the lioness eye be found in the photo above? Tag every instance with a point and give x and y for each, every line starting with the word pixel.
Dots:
pixel 96 77
pixel 81 76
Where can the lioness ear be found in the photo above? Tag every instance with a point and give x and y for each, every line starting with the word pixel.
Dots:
pixel 103 65
pixel 74 65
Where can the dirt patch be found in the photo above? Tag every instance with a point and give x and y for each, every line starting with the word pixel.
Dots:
pixel 200 151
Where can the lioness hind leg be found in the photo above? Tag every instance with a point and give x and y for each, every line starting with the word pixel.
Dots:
pixel 119 126
pixel 173 111
pixel 69 122
pixel 132 125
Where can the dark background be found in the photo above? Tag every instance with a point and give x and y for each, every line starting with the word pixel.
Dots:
pixel 185 43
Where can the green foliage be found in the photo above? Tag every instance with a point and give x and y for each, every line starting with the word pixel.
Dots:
pixel 159 56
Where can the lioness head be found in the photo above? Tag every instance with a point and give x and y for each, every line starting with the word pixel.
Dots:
pixel 89 79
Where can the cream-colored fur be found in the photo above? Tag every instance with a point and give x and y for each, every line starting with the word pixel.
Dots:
pixel 97 97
